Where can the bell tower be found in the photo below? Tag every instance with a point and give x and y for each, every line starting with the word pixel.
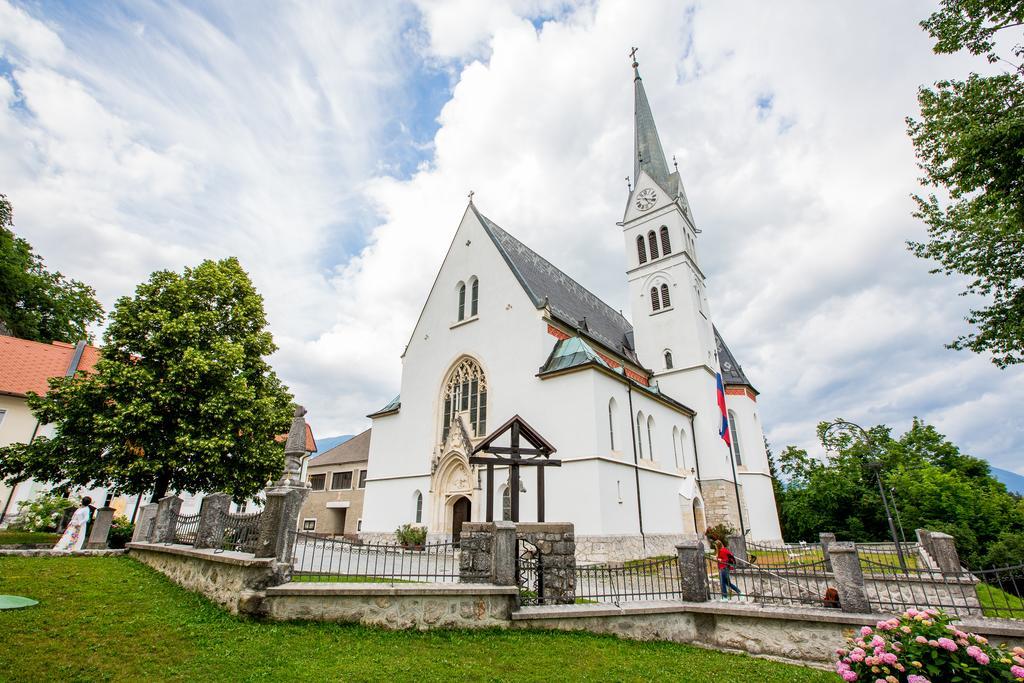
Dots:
pixel 672 326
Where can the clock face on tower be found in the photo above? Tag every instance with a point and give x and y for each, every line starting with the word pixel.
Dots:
pixel 645 200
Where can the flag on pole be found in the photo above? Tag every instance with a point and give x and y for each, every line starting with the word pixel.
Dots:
pixel 723 431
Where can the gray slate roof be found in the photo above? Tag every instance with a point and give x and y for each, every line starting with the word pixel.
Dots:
pixel 570 302
pixel 356 449
pixel 732 371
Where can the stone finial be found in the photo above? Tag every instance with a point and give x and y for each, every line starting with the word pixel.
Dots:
pixel 295 446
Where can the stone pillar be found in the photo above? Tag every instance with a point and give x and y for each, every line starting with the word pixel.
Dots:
pixel 826 539
pixel 924 538
pixel 144 523
pixel 279 522
pixel 280 518
pixel 476 546
pixel 556 543
pixel 100 529
pixel 849 577
pixel 693 574
pixel 166 519
pixel 943 551
pixel 504 549
pixel 738 546
pixel 210 532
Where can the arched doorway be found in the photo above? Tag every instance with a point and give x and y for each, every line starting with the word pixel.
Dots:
pixel 461 510
pixel 699 523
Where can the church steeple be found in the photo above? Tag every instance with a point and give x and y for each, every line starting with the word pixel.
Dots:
pixel 648 154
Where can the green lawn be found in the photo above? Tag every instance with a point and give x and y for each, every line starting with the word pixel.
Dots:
pixel 998 603
pixel 18 537
pixel 110 618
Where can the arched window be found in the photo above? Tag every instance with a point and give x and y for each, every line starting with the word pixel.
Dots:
pixel 418 501
pixel 735 439
pixel 665 303
pixel 652 242
pixel 666 246
pixel 474 296
pixel 650 441
pixel 465 392
pixel 675 445
pixel 682 447
pixel 611 422
pixel 668 360
pixel 641 249
pixel 639 434
pixel 462 301
pixel 506 504
pixel 655 302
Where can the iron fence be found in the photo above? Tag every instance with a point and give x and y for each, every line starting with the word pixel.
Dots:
pixel 185 529
pixel 799 583
pixel 996 592
pixel 886 554
pixel 530 573
pixel 651 579
pixel 239 532
pixel 339 560
pixel 783 554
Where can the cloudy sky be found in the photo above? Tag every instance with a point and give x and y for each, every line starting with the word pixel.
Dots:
pixel 330 146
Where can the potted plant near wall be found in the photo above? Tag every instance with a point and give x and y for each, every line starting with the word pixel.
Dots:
pixel 411 537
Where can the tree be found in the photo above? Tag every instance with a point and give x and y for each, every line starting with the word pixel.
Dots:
pixel 970 143
pixel 35 303
pixel 182 398
pixel 773 470
pixel 934 485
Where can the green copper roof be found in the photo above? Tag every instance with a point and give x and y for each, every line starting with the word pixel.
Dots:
pixel 571 352
pixel 649 156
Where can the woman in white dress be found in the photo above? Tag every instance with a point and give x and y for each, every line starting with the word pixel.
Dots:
pixel 74 535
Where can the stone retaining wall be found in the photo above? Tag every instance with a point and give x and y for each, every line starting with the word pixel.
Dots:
pixel 235 581
pixel 394 606
pixel 6 551
pixel 611 548
pixel 801 635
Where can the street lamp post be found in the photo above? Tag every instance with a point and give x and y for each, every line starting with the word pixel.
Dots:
pixel 876 467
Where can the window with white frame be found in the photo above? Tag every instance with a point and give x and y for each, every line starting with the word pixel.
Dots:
pixel 675 445
pixel 341 480
pixel 462 301
pixel 362 479
pixel 418 498
pixel 474 296
pixel 650 439
pixel 317 481
pixel 611 422
pixel 639 434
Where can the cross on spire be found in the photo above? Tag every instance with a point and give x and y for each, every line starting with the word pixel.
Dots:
pixel 471 196
pixel 632 56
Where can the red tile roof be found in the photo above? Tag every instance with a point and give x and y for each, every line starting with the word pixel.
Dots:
pixel 26 365
pixel 310 441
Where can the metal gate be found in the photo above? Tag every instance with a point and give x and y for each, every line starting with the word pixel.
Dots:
pixel 530 573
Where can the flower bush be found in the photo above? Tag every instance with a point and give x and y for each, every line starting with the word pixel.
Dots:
pixel 411 536
pixel 922 646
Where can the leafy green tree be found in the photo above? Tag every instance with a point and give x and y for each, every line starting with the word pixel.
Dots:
pixel 182 398
pixel 934 486
pixel 773 470
pixel 35 303
pixel 43 512
pixel 970 144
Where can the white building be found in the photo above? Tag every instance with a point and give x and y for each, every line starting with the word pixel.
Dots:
pixel 632 409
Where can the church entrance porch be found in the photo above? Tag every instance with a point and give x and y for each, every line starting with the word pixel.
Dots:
pixel 461 513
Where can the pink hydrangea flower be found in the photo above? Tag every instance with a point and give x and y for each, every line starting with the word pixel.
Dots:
pixel 921 639
pixel 888 658
pixel 947 644
pixel 1017 671
pixel 849 676
pixel 933 643
pixel 876 641
pixel 910 612
pixel 905 629
pixel 865 630
pixel 915 678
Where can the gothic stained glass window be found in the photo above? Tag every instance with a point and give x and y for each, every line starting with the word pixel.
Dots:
pixel 641 249
pixel 655 301
pixel 666 247
pixel 465 391
pixel 665 303
pixel 652 242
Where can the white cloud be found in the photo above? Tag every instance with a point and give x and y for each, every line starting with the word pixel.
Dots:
pixel 180 137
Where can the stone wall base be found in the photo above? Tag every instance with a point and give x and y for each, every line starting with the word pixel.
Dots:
pixel 235 581
pixel 799 635
pixel 395 606
pixel 619 548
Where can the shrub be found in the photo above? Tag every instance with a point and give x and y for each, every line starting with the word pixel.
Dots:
pixel 42 513
pixel 720 532
pixel 120 532
pixel 922 647
pixel 408 534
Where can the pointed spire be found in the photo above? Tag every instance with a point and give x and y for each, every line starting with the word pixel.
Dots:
pixel 649 155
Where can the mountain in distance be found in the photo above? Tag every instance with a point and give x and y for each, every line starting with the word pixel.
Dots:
pixel 1014 482
pixel 328 442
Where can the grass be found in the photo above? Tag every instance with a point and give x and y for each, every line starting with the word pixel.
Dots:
pixel 18 537
pixel 111 618
pixel 999 603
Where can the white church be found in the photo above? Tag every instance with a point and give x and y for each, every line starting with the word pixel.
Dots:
pixel 632 409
